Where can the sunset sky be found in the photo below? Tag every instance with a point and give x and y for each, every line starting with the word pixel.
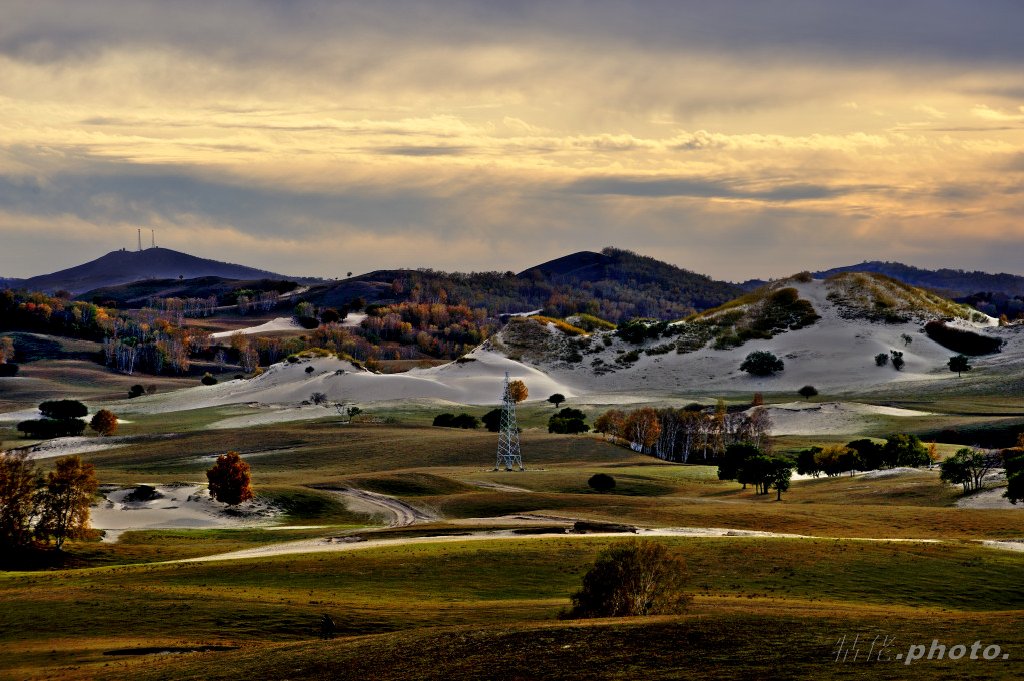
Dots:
pixel 737 139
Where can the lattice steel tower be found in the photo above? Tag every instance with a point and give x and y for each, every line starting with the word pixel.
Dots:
pixel 509 456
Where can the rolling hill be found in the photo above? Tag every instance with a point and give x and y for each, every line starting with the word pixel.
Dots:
pixel 121 267
pixel 947 282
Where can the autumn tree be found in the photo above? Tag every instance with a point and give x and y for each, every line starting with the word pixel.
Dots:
pixel 517 391
pixel 633 578
pixel 65 500
pixel 104 422
pixel 18 502
pixel 642 428
pixel 229 479
pixel 6 349
pixel 610 423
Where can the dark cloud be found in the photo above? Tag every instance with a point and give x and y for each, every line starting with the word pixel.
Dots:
pixel 699 188
pixel 419 151
pixel 868 30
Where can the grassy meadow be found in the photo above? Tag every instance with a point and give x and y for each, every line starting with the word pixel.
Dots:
pixel 461 607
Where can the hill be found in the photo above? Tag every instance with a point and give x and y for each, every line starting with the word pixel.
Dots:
pixel 121 267
pixel 139 293
pixel 947 282
pixel 614 284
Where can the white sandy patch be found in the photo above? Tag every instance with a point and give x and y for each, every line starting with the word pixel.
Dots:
pixel 353 319
pixel 990 499
pixel 276 324
pixel 66 446
pixel 837 418
pixel 1012 545
pixel 179 507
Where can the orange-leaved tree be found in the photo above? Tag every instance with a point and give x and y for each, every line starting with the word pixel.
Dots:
pixel 69 490
pixel 517 390
pixel 229 479
pixel 104 422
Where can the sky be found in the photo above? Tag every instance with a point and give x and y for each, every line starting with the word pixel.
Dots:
pixel 737 139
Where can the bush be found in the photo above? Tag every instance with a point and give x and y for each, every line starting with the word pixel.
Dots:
pixel 43 429
pixel 568 422
pixel 63 409
pixel 632 578
pixel 961 340
pixel 308 322
pixel 208 379
pixel 492 420
pixel 465 421
pixel 881 359
pixel 897 359
pixel 601 482
pixel 138 391
pixel 762 363
pixel 8 370
pixel 807 392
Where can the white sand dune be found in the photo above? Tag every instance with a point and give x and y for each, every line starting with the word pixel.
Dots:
pixel 178 507
pixel 836 418
pixel 474 382
pixel 277 324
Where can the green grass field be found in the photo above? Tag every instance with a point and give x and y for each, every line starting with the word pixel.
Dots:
pixel 454 608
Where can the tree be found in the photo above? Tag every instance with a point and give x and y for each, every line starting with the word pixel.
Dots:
pixel 610 423
pixel 69 490
pixel 104 422
pixel 869 454
pixel 807 463
pixel 208 379
pixel 1013 460
pixel 556 399
pixel 734 459
pixel 492 420
pixel 6 349
pixel 897 360
pixel 632 578
pixel 907 339
pixel 959 364
pixel 968 467
pixel 902 449
pixel 63 409
pixel 229 479
pixel 881 359
pixel 642 428
pixel 601 482
pixel 779 476
pixel 807 392
pixel 762 363
pixel 18 502
pixel 568 421
pixel 318 398
pixel 517 391
pixel 138 391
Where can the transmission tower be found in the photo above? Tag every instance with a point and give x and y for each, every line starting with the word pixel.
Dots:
pixel 140 240
pixel 509 456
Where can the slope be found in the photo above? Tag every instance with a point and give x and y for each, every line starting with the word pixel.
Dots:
pixel 120 267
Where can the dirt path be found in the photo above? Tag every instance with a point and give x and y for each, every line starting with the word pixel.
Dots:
pixel 355 543
pixel 398 512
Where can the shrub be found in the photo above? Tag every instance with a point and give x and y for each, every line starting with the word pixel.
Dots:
pixel 762 363
pixel 63 409
pixel 568 421
pixel 961 340
pixel 897 359
pixel 881 359
pixel 601 482
pixel 466 421
pixel 309 370
pixel 492 420
pixel 308 322
pixel 208 379
pixel 44 429
pixel 632 578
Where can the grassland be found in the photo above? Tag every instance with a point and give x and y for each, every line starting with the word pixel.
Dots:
pixel 763 608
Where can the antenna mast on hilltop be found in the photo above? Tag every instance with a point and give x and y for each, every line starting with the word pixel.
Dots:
pixel 140 239
pixel 152 236
pixel 509 456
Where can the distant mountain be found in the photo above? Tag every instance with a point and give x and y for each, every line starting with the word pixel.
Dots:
pixel 947 282
pixel 140 293
pixel 614 284
pixel 122 267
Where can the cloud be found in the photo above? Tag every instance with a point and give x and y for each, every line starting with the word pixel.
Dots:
pixel 703 188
